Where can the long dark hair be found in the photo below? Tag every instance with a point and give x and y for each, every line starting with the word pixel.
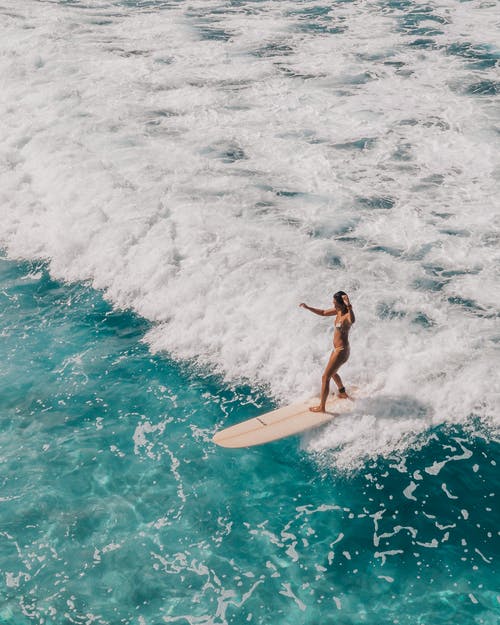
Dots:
pixel 339 302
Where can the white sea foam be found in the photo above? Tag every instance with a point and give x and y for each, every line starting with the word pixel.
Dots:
pixel 212 166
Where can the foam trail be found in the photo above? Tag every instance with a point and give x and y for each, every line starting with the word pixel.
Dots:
pixel 211 170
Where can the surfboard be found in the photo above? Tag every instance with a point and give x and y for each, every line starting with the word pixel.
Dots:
pixel 280 423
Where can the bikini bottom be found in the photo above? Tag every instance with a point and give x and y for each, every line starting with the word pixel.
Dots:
pixel 344 351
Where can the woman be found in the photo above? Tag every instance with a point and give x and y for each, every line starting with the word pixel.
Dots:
pixel 344 318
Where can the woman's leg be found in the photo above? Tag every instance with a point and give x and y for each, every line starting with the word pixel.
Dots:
pixel 343 358
pixel 338 382
pixel 331 368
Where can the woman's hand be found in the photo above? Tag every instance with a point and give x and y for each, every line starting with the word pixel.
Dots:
pixel 303 305
pixel 345 299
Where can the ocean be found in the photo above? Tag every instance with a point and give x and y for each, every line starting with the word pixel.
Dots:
pixel 175 178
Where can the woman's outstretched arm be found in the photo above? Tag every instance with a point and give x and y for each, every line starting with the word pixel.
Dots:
pixel 318 311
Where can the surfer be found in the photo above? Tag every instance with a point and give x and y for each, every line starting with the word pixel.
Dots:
pixel 344 318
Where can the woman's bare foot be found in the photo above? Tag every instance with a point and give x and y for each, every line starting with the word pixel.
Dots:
pixel 343 395
pixel 317 409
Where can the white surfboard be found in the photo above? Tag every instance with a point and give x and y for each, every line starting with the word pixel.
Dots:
pixel 281 423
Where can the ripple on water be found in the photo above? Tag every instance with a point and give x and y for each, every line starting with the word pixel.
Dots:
pixel 319 19
pixel 478 56
pixel 484 88
pixel 377 202
pixel 227 152
pixel 365 143
pixel 272 49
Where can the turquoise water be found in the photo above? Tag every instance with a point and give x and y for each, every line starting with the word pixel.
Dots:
pixel 117 508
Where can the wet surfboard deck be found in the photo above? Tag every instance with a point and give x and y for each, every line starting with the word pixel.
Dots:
pixel 280 423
